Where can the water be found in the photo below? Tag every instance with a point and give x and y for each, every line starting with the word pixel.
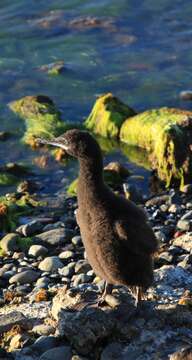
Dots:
pixel 139 50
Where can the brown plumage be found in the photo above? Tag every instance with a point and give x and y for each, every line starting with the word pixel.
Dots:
pixel 118 240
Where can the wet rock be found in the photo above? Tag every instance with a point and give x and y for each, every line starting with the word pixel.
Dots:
pixel 37 250
pixel 9 242
pixel 57 353
pixel 185 95
pixel 54 237
pixel 7 321
pixel 54 68
pixel 85 328
pixel 31 228
pixel 25 277
pixel 51 264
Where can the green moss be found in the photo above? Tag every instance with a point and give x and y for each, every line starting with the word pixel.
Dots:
pixel 7 179
pixel 12 207
pixel 107 116
pixel 166 135
pixel 72 189
pixel 41 116
pixel 24 243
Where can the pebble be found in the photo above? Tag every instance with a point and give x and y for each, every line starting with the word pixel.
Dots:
pixel 42 282
pixel 37 250
pixel 25 277
pixel 82 266
pixel 51 264
pixel 54 237
pixel 184 225
pixel 43 329
pixel 31 228
pixel 66 255
pixel 81 279
pixel 66 271
pixel 76 240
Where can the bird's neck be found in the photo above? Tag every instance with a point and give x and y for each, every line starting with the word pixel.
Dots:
pixel 91 173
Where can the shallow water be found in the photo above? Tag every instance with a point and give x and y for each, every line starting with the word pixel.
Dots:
pixel 139 50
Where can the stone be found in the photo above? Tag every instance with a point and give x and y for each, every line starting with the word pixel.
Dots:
pixel 184 241
pixel 31 228
pixel 57 353
pixel 112 301
pixel 81 279
pixel 44 343
pixel 37 250
pixel 43 329
pixel 76 240
pixel 187 215
pixel 43 282
pixel 9 242
pixel 25 277
pixel 184 225
pixel 64 300
pixel 185 95
pixel 85 328
pixel 11 319
pixel 66 255
pixel 183 354
pixel 51 264
pixel 82 266
pixel 66 271
pixel 54 237
pixel 18 341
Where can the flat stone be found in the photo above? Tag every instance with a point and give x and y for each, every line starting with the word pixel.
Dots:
pixel 43 329
pixel 37 250
pixel 54 237
pixel 9 242
pixel 7 321
pixel 85 328
pixel 57 353
pixel 25 277
pixel 184 241
pixel 31 228
pixel 51 264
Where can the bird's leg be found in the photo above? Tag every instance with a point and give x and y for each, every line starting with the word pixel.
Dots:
pixel 107 290
pixel 138 297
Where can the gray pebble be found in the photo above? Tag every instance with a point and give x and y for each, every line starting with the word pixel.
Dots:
pixel 37 250
pixel 26 277
pixel 76 240
pixel 51 264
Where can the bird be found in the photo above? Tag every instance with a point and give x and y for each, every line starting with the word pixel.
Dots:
pixel 118 240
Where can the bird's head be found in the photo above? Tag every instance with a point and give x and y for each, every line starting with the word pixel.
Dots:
pixel 77 143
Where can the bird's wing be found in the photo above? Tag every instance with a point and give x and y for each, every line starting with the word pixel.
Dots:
pixel 138 238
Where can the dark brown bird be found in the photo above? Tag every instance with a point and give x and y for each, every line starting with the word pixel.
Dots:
pixel 118 240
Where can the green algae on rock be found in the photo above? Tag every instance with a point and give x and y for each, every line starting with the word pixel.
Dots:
pixel 166 134
pixel 12 206
pixel 41 116
pixel 107 116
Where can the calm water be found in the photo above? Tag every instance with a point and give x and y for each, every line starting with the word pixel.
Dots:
pixel 140 50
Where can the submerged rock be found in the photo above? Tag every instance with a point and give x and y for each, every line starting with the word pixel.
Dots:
pixel 41 116
pixel 166 134
pixel 107 116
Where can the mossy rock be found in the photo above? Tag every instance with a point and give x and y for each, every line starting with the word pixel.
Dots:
pixel 166 135
pixel 12 206
pixel 136 155
pixel 41 116
pixel 8 179
pixel 107 116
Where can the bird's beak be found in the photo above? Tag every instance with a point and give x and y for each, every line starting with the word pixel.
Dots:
pixel 58 142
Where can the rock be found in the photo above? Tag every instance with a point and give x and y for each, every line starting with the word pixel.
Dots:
pixel 25 277
pixel 158 200
pixel 112 301
pixel 31 228
pixel 37 250
pixel 51 264
pixel 112 351
pixel 184 241
pixel 76 240
pixel 57 353
pixel 187 189
pixel 185 225
pixel 66 255
pixel 82 266
pixel 44 343
pixel 107 116
pixel 173 276
pixel 54 237
pixel 43 329
pixel 11 319
pixel 85 328
pixel 164 258
pixel 187 215
pixel 81 279
pixel 185 95
pixel 66 271
pixel 64 300
pixel 9 242
pixel 183 354
pixel 43 282
pixel 18 341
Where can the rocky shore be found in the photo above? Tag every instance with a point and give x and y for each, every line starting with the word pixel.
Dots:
pixel 48 289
